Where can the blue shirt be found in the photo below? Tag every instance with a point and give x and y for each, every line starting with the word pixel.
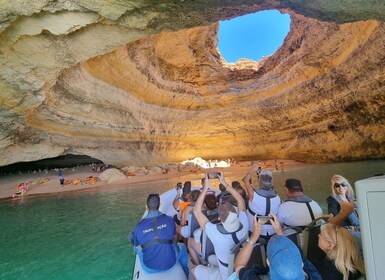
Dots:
pixel 159 256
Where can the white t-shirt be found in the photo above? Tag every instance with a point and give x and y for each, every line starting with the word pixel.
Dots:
pixel 296 213
pixel 224 242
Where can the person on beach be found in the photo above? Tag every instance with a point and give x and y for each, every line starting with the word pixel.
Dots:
pixel 299 209
pixel 153 240
pixel 232 228
pixel 343 260
pixel 262 201
pixel 341 190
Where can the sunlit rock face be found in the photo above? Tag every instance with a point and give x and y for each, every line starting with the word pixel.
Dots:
pixel 136 84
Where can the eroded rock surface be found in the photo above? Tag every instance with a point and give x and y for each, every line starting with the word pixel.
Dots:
pixel 135 83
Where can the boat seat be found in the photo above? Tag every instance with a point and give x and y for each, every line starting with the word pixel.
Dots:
pixel 193 222
pixel 310 240
pixel 207 248
pixel 258 255
pixel 212 216
pixel 233 254
pixel 295 234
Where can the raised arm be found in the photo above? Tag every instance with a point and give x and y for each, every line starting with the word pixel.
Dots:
pixel 247 179
pixel 346 209
pixel 233 192
pixel 202 219
pixel 244 255
pixel 175 203
pixel 275 223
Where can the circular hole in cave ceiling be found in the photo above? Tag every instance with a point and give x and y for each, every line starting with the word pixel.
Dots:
pixel 252 36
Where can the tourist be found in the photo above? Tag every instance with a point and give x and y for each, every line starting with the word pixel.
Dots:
pixel 180 202
pixel 242 192
pixel 154 240
pixel 283 258
pixel 211 205
pixel 186 187
pixel 341 190
pixel 299 209
pixel 223 195
pixel 235 184
pixel 233 227
pixel 183 228
pixel 343 260
pixel 262 201
pixel 194 243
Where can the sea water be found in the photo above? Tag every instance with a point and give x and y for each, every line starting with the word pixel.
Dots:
pixel 83 235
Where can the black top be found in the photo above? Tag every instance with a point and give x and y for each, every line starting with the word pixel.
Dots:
pixel 329 271
pixel 334 208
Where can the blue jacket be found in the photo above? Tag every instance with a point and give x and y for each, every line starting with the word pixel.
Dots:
pixel 156 255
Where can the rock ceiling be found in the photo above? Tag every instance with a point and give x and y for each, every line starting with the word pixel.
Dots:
pixel 134 83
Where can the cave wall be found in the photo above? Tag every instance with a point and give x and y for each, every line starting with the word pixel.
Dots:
pixel 135 83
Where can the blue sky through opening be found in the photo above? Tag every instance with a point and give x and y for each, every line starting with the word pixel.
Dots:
pixel 252 36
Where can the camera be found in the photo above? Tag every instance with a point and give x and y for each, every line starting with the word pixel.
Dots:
pixel 212 175
pixel 264 219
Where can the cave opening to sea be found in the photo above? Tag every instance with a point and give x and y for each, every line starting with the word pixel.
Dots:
pixel 64 161
pixel 252 36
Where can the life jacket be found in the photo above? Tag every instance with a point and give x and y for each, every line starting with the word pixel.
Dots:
pixel 156 240
pixel 268 198
pixel 303 199
pixel 222 230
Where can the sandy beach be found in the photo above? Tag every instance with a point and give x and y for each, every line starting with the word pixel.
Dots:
pixel 9 183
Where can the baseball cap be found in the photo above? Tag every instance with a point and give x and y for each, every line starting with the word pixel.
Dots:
pixel 266 179
pixel 229 217
pixel 285 259
pixel 293 184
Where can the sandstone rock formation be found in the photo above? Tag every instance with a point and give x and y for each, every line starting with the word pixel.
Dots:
pixel 134 83
pixel 112 175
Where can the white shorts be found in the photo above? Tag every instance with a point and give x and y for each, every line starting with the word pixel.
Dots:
pixel 202 272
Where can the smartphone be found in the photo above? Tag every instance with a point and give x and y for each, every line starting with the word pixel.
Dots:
pixel 263 219
pixel 212 175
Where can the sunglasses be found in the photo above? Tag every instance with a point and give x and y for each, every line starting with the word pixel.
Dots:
pixel 338 185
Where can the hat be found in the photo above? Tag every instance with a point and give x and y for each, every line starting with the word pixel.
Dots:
pixel 266 179
pixel 285 259
pixel 153 202
pixel 229 217
pixel 293 184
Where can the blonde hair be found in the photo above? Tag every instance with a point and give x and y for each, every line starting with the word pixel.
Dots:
pixel 339 179
pixel 344 252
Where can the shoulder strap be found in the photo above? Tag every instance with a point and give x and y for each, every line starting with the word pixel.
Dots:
pixel 310 211
pixel 156 239
pixel 268 206
pixel 222 230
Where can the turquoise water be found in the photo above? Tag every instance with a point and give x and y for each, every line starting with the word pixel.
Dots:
pixel 83 235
